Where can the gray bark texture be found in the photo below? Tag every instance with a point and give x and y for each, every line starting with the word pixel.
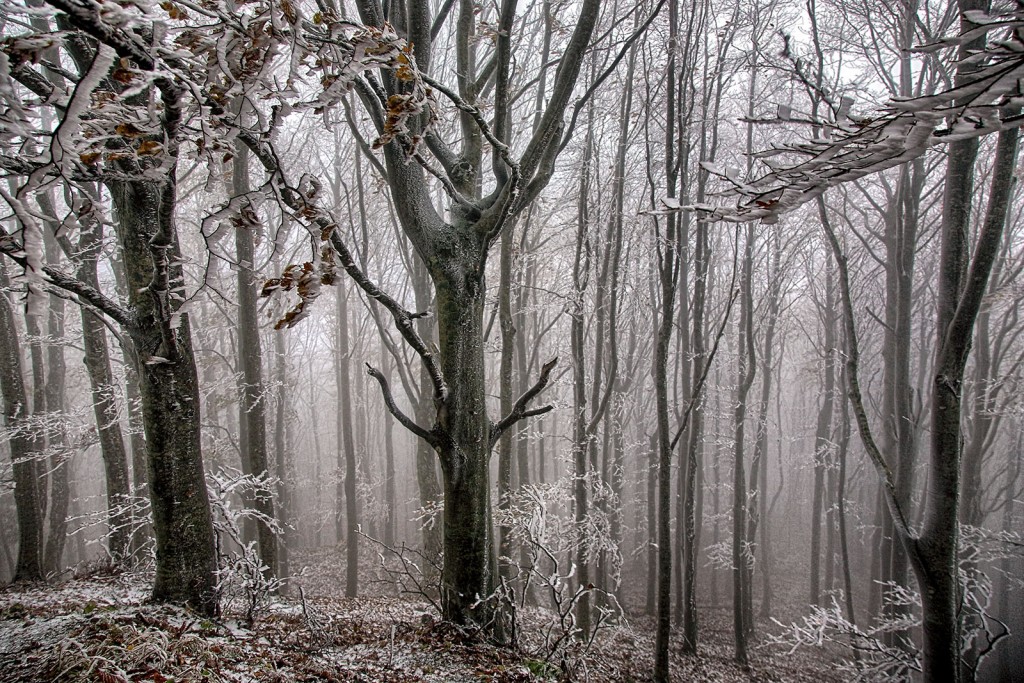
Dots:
pixel 252 406
pixel 104 399
pixel 169 390
pixel 22 444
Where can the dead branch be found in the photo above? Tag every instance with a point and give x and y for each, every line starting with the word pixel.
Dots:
pixel 389 400
pixel 519 409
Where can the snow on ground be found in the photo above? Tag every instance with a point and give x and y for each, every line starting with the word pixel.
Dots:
pixel 103 629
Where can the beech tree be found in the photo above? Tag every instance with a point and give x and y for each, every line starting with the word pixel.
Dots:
pixel 455 251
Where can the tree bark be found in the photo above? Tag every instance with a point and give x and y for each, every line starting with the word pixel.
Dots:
pixel 185 554
pixel 22 444
pixel 455 249
pixel 668 248
pixel 104 399
pixel 284 464
pixel 823 431
pixel 346 447
pixel 55 404
pixel 465 450
pixel 746 371
pixel 252 433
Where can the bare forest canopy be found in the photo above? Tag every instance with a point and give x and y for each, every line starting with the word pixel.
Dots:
pixel 688 324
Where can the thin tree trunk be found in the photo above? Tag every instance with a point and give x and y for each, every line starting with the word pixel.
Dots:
pixel 652 525
pixel 759 462
pixel 284 464
pixel 390 494
pixel 55 404
pixel 104 399
pixel 668 247
pixel 842 452
pixel 430 492
pixel 252 420
pixel 581 436
pixel 505 389
pixel 823 430
pixel 745 378
pixel 22 443
pixel 347 449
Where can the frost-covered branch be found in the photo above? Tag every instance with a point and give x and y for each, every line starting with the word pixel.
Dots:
pixel 907 128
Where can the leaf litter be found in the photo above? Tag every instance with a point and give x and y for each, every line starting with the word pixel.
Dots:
pixel 103 628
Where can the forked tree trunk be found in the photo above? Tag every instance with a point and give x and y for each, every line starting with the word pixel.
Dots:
pixel 455 249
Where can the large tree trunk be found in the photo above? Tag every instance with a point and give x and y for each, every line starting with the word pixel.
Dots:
pixel 897 403
pixel 959 297
pixel 454 249
pixel 465 452
pixel 185 555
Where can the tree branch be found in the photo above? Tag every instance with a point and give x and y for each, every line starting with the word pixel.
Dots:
pixel 393 408
pixel 89 295
pixel 519 410
pixel 403 318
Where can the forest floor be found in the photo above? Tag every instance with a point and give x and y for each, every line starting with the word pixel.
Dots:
pixel 102 628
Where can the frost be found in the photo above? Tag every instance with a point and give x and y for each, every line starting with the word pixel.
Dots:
pixel 903 131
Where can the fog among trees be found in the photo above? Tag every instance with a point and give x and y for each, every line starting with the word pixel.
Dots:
pixel 550 340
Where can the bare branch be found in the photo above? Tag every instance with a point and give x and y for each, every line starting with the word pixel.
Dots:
pixel 297 202
pixel 510 189
pixel 903 131
pixel 393 408
pixel 519 409
pixel 403 318
pixel 857 400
